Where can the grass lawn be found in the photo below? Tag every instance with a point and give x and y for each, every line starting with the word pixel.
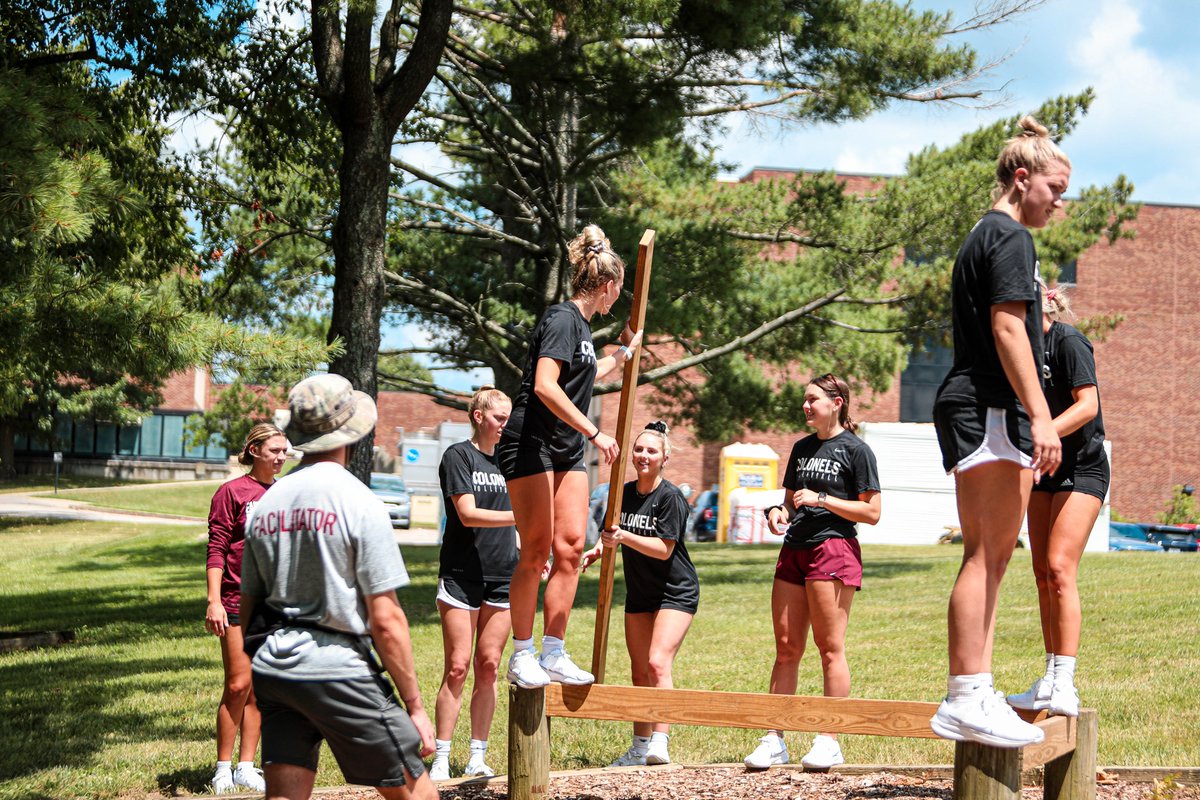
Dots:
pixel 184 498
pixel 129 707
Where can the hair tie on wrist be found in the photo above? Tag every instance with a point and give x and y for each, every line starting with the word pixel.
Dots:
pixel 594 435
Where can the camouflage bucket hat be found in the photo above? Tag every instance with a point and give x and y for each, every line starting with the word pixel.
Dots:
pixel 327 413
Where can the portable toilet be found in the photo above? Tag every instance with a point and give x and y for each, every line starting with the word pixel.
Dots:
pixel 744 466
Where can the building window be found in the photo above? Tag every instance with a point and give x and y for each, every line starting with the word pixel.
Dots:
pixel 920 380
pixel 158 436
pixel 1067 273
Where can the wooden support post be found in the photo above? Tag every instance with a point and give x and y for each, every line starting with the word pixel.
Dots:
pixel 616 474
pixel 1072 776
pixel 528 744
pixel 983 772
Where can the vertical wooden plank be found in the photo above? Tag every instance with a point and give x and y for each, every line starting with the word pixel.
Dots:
pixel 528 744
pixel 983 772
pixel 616 479
pixel 1072 776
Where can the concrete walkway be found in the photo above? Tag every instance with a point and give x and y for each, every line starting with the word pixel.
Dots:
pixel 27 505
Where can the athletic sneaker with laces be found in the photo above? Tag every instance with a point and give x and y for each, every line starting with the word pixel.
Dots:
pixel 771 750
pixel 439 770
pixel 656 752
pixel 525 671
pixel 222 781
pixel 1064 701
pixel 247 776
pixel 476 768
pixel 825 753
pixel 633 757
pixel 1036 699
pixel 984 718
pixel 561 669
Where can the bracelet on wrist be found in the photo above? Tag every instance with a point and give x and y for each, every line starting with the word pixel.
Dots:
pixel 592 438
pixel 625 352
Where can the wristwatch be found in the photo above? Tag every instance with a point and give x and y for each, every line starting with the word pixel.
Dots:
pixel 821 500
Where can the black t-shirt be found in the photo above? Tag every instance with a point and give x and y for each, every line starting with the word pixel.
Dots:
pixel 1069 365
pixel 471 553
pixel 841 466
pixel 562 334
pixel 652 583
pixel 996 264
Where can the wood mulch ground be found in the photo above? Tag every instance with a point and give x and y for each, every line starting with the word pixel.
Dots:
pixel 736 783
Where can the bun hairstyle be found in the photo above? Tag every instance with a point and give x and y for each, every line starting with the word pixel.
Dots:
pixel 594 261
pixel 257 435
pixel 1032 149
pixel 1055 304
pixel 835 387
pixel 658 428
pixel 487 398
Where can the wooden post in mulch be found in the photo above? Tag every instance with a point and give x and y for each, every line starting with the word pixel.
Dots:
pixel 1072 776
pixel 528 744
pixel 983 772
pixel 616 475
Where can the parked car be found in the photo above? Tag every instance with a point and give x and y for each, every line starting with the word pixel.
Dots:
pixel 1172 537
pixel 1128 536
pixel 703 522
pixel 394 494
pixel 597 508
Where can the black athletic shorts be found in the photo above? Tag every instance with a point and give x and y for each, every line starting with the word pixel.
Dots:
pixel 370 735
pixel 520 459
pixel 459 592
pixel 970 434
pixel 1092 480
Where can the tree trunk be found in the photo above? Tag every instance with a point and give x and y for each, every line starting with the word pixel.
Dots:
pixel 8 464
pixel 359 249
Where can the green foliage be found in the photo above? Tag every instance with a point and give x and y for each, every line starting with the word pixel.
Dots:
pixel 1181 510
pixel 236 409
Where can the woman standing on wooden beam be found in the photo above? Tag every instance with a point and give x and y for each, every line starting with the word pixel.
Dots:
pixel 993 424
pixel 1064 506
pixel 662 591
pixel 541 456
pixel 831 484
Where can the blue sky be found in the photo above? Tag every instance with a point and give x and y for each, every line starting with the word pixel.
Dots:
pixel 1140 56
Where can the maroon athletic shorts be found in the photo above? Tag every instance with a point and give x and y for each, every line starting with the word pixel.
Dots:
pixel 831 560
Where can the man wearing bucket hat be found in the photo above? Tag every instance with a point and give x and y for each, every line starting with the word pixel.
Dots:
pixel 319 577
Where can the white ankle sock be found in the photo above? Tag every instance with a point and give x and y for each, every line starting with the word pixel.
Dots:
pixel 227 766
pixel 640 743
pixel 960 687
pixel 522 644
pixel 660 737
pixel 551 644
pixel 441 748
pixel 478 746
pixel 1049 676
pixel 1064 670
pixel 245 765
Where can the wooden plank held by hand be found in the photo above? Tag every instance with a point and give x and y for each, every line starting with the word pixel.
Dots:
pixel 616 479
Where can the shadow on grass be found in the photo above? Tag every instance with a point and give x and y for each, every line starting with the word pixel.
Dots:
pixel 191 780
pixel 69 710
pixel 7 523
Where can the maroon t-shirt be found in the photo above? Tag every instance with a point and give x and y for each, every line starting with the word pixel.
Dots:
pixel 227 532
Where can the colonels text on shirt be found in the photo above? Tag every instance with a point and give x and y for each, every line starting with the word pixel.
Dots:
pixel 811 467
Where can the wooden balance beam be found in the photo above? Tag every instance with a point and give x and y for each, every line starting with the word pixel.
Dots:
pixel 981 772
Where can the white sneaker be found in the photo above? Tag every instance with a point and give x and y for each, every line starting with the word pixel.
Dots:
pixel 633 757
pixel 1036 699
pixel 984 718
pixel 825 753
pixel 250 778
pixel 771 750
pixel 1064 701
pixel 561 669
pixel 524 670
pixel 656 752
pixel 222 782
pixel 439 770
pixel 476 768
